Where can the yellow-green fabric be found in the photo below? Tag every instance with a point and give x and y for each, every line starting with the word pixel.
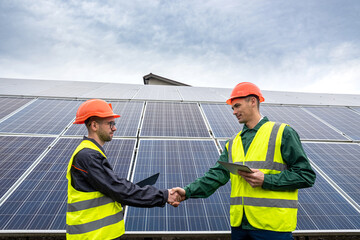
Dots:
pixel 91 215
pixel 265 209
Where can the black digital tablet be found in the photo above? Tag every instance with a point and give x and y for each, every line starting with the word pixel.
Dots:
pixel 148 181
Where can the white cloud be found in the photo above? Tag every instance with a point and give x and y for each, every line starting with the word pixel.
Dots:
pixel 288 46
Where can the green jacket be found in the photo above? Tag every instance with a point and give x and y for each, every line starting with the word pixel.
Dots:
pixel 298 175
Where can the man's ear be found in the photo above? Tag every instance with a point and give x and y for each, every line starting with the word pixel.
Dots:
pixel 253 101
pixel 93 125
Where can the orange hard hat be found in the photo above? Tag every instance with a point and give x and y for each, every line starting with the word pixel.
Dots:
pixel 244 89
pixel 94 107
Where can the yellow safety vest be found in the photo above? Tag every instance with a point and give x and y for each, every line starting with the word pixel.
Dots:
pixel 264 209
pixel 91 215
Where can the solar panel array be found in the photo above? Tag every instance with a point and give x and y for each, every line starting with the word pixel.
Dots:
pixel 44 116
pixel 9 105
pixel 342 118
pixel 306 125
pixel 17 155
pixel 40 201
pixel 321 207
pixel 181 140
pixel 357 109
pixel 113 91
pixel 223 123
pixel 179 162
pixel 345 172
pixel 158 93
pixel 130 113
pixel 169 119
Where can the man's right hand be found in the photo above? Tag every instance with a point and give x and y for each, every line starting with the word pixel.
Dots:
pixel 181 192
pixel 174 198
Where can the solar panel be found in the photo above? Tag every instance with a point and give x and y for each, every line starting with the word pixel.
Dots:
pixel 321 207
pixel 357 109
pixel 8 105
pixel 43 116
pixel 126 125
pixel 73 89
pixel 200 94
pixel 307 126
pixel 11 86
pixel 222 144
pixel 221 119
pixel 342 118
pixel 173 120
pixel 152 92
pixel 179 163
pixel 341 162
pixel 39 203
pixel 113 91
pixel 16 155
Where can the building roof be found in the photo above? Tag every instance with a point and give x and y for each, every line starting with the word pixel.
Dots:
pixel 152 79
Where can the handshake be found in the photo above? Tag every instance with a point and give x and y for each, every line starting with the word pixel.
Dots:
pixel 176 195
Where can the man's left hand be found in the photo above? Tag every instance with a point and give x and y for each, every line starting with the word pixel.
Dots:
pixel 255 179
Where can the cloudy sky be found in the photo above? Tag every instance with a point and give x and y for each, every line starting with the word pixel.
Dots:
pixel 287 45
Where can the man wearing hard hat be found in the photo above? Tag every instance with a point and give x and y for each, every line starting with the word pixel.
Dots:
pixel 95 193
pixel 263 203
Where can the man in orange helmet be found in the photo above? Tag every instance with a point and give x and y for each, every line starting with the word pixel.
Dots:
pixel 263 203
pixel 95 193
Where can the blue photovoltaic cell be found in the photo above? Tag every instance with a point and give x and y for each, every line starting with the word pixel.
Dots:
pixel 126 125
pixel 323 208
pixel 307 126
pixel 8 105
pixel 16 156
pixel 222 144
pixel 357 109
pixel 39 203
pixel 171 119
pixel 42 117
pixel 179 163
pixel 341 162
pixel 221 119
pixel 342 118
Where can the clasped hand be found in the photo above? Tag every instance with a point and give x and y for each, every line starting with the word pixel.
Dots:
pixel 176 195
pixel 255 179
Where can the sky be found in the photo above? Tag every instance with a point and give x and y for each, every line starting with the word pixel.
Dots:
pixel 287 45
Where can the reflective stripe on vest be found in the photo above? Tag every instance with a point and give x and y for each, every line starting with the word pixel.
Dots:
pixel 78 206
pixel 265 209
pixel 91 215
pixel 264 202
pixel 95 225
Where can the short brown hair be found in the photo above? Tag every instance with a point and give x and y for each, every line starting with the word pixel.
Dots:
pixel 247 98
pixel 90 119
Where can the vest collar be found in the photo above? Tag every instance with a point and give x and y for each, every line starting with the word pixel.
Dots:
pixel 96 143
pixel 256 128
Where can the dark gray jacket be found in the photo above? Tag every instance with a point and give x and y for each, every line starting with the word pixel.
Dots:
pixel 91 172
